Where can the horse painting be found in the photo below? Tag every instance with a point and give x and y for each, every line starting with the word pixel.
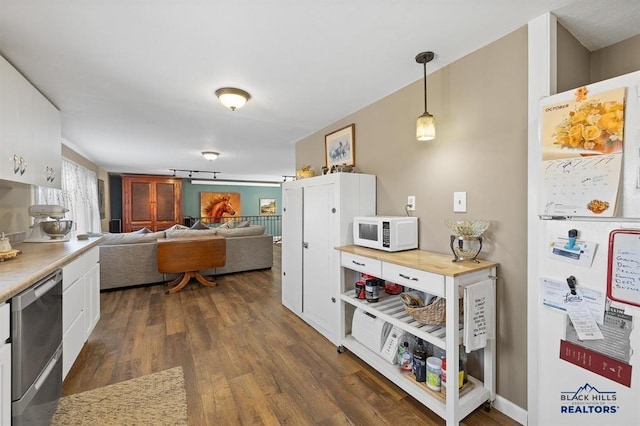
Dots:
pixel 217 207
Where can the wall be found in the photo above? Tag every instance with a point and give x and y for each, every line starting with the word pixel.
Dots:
pixel 578 67
pixel 619 59
pixel 15 199
pixel 249 197
pixel 480 105
pixel 574 62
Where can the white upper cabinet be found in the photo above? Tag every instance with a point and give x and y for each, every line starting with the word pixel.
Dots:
pixel 30 132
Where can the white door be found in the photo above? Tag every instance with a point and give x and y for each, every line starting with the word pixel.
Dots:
pixel 319 300
pixel 292 249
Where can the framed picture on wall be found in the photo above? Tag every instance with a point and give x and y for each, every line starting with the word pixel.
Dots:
pixel 219 206
pixel 339 147
pixel 267 206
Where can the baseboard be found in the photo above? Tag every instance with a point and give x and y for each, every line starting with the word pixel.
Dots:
pixel 510 409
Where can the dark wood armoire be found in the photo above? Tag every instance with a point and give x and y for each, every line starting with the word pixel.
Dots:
pixel 153 202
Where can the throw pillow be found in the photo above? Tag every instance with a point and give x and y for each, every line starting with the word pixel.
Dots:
pixel 177 226
pixel 142 231
pixel 199 225
pixel 244 224
pixel 226 225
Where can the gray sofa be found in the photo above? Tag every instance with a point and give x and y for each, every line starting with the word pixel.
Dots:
pixel 131 259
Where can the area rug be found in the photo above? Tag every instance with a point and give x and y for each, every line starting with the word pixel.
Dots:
pixel 154 399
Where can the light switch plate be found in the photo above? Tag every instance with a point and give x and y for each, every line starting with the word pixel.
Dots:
pixel 460 202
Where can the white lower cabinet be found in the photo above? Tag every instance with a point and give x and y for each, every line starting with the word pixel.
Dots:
pixel 5 366
pixel 80 304
pixel 435 274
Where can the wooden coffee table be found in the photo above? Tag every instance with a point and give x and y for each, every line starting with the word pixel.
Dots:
pixel 188 256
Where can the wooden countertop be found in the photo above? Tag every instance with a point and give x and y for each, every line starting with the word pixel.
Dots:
pixel 37 261
pixel 422 260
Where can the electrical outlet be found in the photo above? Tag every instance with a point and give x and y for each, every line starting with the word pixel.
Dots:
pixel 411 202
pixel 460 202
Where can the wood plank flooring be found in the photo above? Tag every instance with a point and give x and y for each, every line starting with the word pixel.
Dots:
pixel 247 359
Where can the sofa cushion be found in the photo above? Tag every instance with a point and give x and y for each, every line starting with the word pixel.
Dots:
pixel 131 238
pixel 143 231
pixel 242 232
pixel 191 233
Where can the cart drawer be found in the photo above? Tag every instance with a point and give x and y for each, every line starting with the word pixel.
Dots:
pixel 414 278
pixel 362 264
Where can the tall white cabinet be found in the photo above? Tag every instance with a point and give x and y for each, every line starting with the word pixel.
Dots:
pixel 317 216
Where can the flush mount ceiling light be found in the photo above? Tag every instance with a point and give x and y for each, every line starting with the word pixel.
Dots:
pixel 210 155
pixel 426 125
pixel 232 98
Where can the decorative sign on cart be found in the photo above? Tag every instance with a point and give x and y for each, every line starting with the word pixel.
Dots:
pixel 582 144
pixel 623 271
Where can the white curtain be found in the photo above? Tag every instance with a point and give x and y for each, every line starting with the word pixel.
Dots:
pixel 79 194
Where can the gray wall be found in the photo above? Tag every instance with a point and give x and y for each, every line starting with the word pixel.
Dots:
pixel 574 62
pixel 249 197
pixel 577 66
pixel 621 58
pixel 480 105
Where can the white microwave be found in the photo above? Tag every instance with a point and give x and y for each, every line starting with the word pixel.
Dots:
pixel 388 233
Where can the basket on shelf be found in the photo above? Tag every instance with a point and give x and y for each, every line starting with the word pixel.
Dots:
pixel 432 314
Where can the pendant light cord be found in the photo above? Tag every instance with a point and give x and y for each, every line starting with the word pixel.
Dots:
pixel 424 66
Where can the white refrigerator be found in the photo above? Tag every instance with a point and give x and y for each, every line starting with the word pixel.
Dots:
pixel 584 258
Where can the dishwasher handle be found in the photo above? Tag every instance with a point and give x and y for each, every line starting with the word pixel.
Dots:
pixel 36 291
pixel 44 287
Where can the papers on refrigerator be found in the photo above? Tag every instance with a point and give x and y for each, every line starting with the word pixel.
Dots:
pixel 580 308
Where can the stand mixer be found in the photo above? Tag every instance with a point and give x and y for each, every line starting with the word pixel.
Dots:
pixel 41 213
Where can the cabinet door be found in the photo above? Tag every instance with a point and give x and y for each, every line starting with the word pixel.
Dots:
pixel 5 366
pixel 319 299
pixel 5 384
pixel 292 248
pixel 15 124
pixel 46 160
pixel 92 301
pixel 8 120
pixel 167 204
pixel 138 205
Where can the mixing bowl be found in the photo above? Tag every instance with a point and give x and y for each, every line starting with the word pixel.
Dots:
pixel 56 228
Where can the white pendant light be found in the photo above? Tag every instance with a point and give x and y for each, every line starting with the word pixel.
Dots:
pixel 210 155
pixel 426 124
pixel 232 97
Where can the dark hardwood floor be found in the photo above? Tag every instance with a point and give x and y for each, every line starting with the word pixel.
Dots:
pixel 246 358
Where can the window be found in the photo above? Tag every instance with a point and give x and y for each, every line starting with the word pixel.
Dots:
pixel 79 194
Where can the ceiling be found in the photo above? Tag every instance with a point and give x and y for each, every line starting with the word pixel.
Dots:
pixel 134 79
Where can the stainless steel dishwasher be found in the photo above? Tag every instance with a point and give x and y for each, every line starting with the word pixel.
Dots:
pixel 36 350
